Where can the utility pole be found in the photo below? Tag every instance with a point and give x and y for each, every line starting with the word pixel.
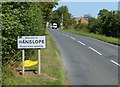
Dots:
pixel 62 22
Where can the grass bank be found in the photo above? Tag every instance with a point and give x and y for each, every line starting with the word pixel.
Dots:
pixel 51 68
pixel 104 38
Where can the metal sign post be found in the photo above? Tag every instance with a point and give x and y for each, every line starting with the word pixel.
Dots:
pixel 23 58
pixel 39 62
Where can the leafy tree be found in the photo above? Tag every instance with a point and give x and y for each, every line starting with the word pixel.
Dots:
pixel 67 17
pixel 107 23
pixel 102 12
pixel 46 8
pixel 93 25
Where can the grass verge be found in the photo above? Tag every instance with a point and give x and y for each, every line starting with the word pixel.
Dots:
pixel 51 68
pixel 104 38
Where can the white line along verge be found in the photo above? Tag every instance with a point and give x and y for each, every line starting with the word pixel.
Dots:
pixel 81 42
pixel 73 38
pixel 115 62
pixel 95 50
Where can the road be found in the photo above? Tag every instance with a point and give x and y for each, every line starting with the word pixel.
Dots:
pixel 87 61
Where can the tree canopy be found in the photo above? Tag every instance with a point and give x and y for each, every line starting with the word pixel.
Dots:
pixel 107 23
pixel 62 14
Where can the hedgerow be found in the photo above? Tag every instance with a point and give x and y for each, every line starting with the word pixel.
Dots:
pixel 19 19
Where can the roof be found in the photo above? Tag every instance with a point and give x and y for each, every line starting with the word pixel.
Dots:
pixel 82 20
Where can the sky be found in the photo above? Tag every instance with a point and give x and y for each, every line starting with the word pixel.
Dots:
pixel 80 8
pixel 89 0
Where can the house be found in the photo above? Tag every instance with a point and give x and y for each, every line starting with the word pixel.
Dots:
pixel 83 20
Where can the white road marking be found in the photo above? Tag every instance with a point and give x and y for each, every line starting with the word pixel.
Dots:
pixel 95 50
pixel 81 42
pixel 115 62
pixel 67 35
pixel 73 38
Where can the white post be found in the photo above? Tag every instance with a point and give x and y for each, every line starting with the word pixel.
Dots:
pixel 39 65
pixel 23 58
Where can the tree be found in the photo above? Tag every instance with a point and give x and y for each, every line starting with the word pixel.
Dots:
pixel 102 12
pixel 46 8
pixel 107 23
pixel 93 25
pixel 57 16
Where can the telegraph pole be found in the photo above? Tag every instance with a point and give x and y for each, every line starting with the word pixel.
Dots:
pixel 62 22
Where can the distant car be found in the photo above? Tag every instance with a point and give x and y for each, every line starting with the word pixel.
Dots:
pixel 54 25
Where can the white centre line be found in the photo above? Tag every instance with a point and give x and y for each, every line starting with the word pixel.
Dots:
pixel 81 42
pixel 73 38
pixel 67 35
pixel 95 50
pixel 115 62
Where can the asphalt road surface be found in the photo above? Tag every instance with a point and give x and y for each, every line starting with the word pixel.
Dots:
pixel 87 61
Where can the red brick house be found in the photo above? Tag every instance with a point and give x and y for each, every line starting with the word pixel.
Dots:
pixel 77 20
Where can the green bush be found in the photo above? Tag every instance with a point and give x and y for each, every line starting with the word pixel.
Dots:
pixel 81 27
